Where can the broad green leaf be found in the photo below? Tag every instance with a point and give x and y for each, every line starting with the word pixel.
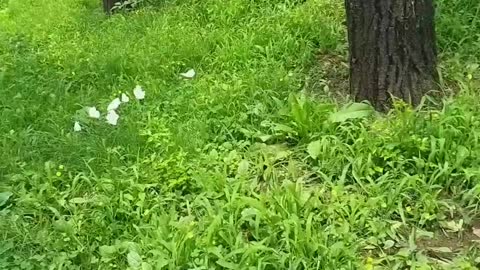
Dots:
pixel 314 149
pixel 255 203
pixel 4 196
pixel 243 167
pixel 265 138
pixel 63 226
pixel 78 200
pixel 462 154
pixel 308 227
pixel 134 260
pixel 248 212
pixel 107 251
pixel 226 264
pixel 128 197
pixel 38 257
pixel 353 111
pixel 388 244
pixel 7 246
pixel 161 263
pixel 146 266
pixel 285 129
pixel 337 248
pixel 54 211
pixel 369 247
pixel 298 109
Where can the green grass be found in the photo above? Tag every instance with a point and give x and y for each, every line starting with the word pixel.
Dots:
pixel 243 167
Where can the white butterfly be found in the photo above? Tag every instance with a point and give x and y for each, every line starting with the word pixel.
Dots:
pixel 189 74
pixel 139 93
pixel 125 98
pixel 77 127
pixel 93 113
pixel 112 117
pixel 114 104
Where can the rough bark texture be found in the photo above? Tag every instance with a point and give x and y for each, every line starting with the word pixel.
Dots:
pixel 392 50
pixel 109 4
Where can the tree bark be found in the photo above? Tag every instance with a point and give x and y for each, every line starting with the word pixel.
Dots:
pixel 109 4
pixel 392 48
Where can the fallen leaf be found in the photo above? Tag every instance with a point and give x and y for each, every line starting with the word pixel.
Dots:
pixel 112 118
pixel 125 98
pixel 452 225
pixel 93 113
pixel 77 127
pixel 476 231
pixel 440 249
pixel 139 93
pixel 114 104
pixel 189 74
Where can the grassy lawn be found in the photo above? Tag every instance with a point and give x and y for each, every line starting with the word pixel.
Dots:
pixel 258 162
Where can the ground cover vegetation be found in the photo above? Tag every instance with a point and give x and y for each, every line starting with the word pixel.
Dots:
pixel 260 161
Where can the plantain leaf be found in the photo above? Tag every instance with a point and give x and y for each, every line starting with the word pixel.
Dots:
pixel 4 196
pixel 314 149
pixel 352 111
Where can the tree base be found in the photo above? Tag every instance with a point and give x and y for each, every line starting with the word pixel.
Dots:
pixel 392 50
pixel 109 4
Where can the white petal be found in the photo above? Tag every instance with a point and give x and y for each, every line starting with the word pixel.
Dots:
pixel 77 127
pixel 125 98
pixel 112 117
pixel 93 112
pixel 138 92
pixel 114 104
pixel 189 74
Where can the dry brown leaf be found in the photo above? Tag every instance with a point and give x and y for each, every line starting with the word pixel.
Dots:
pixel 476 231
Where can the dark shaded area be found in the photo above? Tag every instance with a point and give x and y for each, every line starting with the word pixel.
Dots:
pixel 109 4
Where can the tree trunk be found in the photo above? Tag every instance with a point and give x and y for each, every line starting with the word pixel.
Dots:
pixel 392 50
pixel 109 4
